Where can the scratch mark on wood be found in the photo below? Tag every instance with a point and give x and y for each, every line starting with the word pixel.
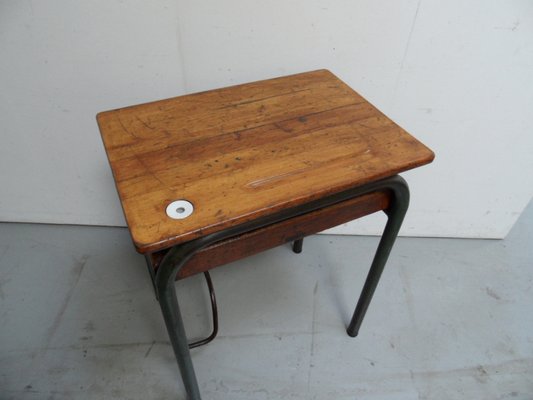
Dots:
pixel 127 130
pixel 144 123
pixel 275 178
pixel 234 105
pixel 147 169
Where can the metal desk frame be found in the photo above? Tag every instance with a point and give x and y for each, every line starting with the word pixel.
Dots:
pixel 178 256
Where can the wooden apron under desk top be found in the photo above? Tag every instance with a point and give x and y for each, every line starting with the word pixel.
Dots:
pixel 243 152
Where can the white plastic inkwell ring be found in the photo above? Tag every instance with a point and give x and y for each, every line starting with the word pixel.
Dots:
pixel 180 209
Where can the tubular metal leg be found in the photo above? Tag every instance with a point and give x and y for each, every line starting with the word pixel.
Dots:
pixel 396 214
pixel 168 301
pixel 297 245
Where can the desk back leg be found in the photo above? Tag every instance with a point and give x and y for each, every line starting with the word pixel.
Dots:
pixel 395 214
pixel 297 245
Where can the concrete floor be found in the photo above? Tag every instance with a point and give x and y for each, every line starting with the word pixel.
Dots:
pixel 451 319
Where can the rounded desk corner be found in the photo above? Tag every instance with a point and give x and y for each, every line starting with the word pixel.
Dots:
pixel 431 156
pixel 428 156
pixel 100 115
pixel 326 71
pixel 140 246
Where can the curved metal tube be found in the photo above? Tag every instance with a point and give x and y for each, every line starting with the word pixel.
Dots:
pixel 178 256
pixel 395 214
pixel 214 314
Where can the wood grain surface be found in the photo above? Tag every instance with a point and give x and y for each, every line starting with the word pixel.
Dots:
pixel 246 151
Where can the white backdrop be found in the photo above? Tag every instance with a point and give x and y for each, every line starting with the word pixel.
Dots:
pixel 457 75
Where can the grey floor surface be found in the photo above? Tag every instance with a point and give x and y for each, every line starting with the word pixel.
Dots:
pixel 451 319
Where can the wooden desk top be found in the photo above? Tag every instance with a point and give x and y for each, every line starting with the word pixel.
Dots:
pixel 246 151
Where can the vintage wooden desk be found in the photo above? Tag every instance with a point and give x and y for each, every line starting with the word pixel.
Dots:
pixel 212 177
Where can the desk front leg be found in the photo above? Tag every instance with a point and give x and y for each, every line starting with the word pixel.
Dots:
pixel 395 213
pixel 166 292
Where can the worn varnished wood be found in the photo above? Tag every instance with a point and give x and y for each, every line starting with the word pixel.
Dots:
pixel 246 151
pixel 277 234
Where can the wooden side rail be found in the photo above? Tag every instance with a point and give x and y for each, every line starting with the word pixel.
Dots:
pixel 280 233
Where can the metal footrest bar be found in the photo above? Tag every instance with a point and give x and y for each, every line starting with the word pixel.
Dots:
pixel 214 313
pixel 212 297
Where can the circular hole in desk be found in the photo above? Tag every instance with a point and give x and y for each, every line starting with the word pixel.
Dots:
pixel 179 209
